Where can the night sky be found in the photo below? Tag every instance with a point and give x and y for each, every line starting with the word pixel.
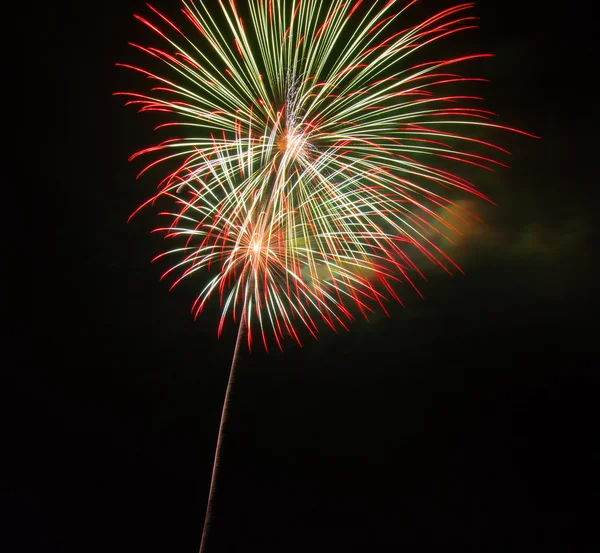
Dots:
pixel 461 423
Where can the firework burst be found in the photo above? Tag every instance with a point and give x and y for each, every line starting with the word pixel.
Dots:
pixel 310 153
pixel 312 160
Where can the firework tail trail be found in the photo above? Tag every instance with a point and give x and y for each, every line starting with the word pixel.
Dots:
pixel 265 207
pixel 207 516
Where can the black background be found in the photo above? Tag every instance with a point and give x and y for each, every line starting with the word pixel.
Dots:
pixel 463 422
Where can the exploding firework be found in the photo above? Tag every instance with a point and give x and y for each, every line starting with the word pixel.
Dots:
pixel 312 163
pixel 310 168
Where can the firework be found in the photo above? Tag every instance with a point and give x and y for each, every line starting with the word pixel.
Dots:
pixel 313 160
pixel 309 155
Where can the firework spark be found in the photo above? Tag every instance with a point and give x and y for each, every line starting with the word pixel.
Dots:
pixel 311 156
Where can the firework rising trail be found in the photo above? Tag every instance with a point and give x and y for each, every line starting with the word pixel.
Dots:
pixel 309 154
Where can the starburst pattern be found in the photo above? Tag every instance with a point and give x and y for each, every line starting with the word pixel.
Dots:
pixel 311 157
